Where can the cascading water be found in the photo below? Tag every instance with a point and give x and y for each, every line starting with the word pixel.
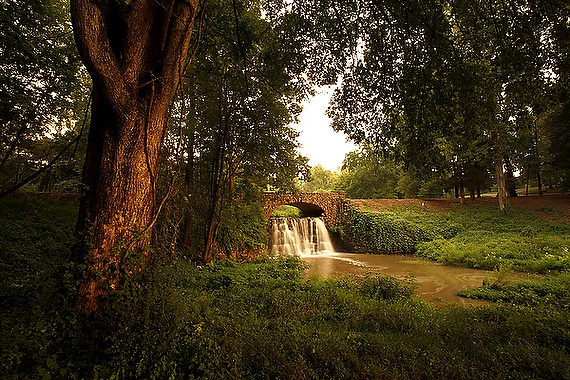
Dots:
pixel 299 236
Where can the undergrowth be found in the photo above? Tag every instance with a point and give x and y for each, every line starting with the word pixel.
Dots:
pixel 258 320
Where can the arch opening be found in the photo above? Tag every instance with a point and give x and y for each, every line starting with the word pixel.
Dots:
pixel 287 211
pixel 299 210
pixel 309 209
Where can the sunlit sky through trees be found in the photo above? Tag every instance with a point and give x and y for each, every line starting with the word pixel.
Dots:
pixel 319 142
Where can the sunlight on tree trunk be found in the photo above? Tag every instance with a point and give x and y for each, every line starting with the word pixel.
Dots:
pixel 136 70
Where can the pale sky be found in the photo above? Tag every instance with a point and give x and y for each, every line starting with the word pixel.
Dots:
pixel 318 141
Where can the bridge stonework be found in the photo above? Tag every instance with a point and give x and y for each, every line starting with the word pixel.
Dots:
pixel 333 208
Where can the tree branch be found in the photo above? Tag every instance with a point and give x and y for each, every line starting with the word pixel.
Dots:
pixel 92 37
pixel 41 170
pixel 180 27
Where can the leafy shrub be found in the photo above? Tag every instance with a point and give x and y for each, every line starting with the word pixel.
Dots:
pixel 243 228
pixel 388 232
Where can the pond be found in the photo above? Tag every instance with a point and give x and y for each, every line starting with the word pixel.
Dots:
pixel 439 284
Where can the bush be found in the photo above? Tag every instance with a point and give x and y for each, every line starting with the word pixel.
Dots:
pixel 243 228
pixel 388 232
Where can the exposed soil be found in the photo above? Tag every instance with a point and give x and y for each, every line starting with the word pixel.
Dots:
pixel 551 206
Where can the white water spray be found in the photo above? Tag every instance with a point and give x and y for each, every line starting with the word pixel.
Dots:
pixel 299 236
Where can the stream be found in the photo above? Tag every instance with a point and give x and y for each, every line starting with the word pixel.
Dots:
pixel 439 284
pixel 309 239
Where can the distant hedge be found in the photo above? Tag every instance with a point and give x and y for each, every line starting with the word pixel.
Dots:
pixel 389 232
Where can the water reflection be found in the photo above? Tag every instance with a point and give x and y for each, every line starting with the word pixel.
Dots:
pixel 438 283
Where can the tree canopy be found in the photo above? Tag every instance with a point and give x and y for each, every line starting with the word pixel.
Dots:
pixel 240 101
pixel 43 87
pixel 429 80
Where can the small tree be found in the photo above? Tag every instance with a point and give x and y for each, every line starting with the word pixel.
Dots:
pixel 320 180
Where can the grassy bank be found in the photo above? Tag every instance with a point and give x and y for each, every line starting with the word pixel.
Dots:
pixel 476 236
pixel 259 320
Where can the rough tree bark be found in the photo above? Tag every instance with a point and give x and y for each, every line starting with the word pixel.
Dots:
pixel 135 52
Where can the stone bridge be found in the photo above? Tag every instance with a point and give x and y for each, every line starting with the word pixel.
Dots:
pixel 331 207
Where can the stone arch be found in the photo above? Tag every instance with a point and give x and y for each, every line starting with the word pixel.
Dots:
pixel 329 206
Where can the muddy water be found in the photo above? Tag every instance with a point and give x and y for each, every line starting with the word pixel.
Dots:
pixel 438 283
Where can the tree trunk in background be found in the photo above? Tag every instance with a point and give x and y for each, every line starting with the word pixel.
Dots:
pixel 215 205
pixel 189 178
pixel 537 153
pixel 462 193
pixel 499 171
pixel 135 53
pixel 510 180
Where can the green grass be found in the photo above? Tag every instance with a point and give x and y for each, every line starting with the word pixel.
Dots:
pixel 286 211
pixel 489 239
pixel 477 236
pixel 547 292
pixel 258 320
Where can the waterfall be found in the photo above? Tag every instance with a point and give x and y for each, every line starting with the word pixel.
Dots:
pixel 299 236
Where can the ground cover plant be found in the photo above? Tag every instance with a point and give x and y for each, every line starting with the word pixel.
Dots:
pixel 551 291
pixel 257 320
pixel 490 240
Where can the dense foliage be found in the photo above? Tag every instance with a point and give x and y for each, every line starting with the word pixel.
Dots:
pixel 42 94
pixel 366 174
pixel 34 241
pixel 453 86
pixel 393 232
pixel 252 321
pixel 320 180
pixel 231 132
pixel 475 236
pixel 369 173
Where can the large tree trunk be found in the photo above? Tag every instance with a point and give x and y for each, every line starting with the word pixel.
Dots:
pixel 120 174
pixel 135 54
